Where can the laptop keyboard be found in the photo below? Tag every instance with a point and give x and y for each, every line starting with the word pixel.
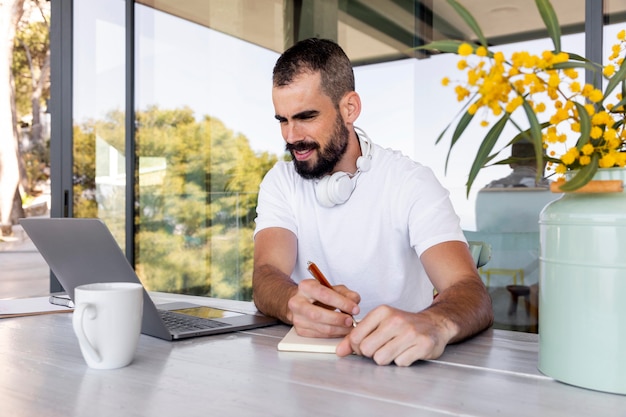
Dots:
pixel 181 322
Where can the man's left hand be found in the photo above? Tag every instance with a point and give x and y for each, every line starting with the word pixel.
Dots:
pixel 390 335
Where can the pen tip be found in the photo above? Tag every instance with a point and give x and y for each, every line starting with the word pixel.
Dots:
pixel 309 262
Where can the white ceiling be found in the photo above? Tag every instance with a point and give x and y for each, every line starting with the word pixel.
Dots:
pixel 261 21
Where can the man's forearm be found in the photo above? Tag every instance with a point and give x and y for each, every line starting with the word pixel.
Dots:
pixel 272 290
pixel 466 307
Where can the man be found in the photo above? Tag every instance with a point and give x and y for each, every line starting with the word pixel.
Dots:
pixel 524 169
pixel 381 228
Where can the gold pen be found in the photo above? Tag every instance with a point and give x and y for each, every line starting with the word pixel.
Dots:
pixel 317 274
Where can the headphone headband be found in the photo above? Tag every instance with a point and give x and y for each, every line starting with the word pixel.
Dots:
pixel 337 188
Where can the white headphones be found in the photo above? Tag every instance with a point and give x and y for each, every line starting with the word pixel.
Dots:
pixel 337 188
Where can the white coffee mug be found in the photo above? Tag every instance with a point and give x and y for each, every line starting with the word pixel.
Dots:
pixel 107 322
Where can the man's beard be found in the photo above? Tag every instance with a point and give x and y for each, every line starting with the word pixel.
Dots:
pixel 327 158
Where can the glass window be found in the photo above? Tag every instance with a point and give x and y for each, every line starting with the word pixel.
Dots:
pixel 205 137
pixel 99 174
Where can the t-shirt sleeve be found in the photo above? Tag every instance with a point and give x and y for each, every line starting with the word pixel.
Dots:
pixel 274 206
pixel 432 219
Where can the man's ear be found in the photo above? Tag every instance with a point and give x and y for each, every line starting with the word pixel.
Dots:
pixel 350 107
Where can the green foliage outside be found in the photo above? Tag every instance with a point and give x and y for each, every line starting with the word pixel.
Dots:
pixel 30 69
pixel 197 192
pixel 32 42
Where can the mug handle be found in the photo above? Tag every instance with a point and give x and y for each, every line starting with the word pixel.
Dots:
pixel 77 321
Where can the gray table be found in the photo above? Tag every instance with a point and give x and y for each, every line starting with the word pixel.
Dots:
pixel 242 374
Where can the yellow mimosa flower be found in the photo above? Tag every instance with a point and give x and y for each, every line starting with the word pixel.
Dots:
pixel 608 71
pixel 608 160
pixel 601 118
pixel 571 73
pixel 514 104
pixel 570 156
pixel 465 49
pixel 596 96
pixel 461 92
pixel 554 80
pixel 587 89
pixel 596 132
pixel 587 149
pixel 584 160
pixel 612 143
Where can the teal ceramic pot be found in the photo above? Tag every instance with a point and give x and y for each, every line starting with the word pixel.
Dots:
pixel 582 288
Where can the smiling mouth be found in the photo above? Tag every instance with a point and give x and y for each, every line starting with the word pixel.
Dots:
pixel 301 151
pixel 302 155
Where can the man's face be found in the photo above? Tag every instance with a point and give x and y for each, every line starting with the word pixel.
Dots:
pixel 313 129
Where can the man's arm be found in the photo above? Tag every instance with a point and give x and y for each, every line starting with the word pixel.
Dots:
pixel 277 295
pixel 462 308
pixel 463 300
pixel 275 251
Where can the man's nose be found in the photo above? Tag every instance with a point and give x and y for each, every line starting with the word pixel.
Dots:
pixel 292 133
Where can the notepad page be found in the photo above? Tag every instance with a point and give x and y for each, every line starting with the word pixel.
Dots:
pixel 292 342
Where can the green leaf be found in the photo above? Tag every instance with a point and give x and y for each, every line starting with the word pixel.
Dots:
pixel 616 107
pixel 448 45
pixel 583 176
pixel 443 132
pixel 617 78
pixel 526 134
pixel 623 88
pixel 469 19
pixel 535 135
pixel 575 64
pixel 552 23
pixel 585 125
pixel 486 146
pixel 460 128
pixel 576 57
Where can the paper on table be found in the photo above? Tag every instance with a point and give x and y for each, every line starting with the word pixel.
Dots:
pixel 292 342
pixel 29 306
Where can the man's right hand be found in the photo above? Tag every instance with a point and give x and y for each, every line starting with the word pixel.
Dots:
pixel 318 311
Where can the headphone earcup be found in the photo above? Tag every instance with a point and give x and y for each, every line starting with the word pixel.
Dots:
pixel 364 163
pixel 334 189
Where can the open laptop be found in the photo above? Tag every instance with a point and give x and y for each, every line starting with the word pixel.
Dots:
pixel 83 251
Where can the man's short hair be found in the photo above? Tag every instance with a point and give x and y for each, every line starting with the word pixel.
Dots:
pixel 317 55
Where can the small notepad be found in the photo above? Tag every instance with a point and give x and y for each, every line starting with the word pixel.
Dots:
pixel 292 342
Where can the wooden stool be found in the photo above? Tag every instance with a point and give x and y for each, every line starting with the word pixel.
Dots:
pixel 513 273
pixel 517 291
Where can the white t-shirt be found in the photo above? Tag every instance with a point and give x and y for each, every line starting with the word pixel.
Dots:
pixel 371 243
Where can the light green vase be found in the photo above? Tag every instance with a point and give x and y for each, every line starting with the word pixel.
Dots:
pixel 582 288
